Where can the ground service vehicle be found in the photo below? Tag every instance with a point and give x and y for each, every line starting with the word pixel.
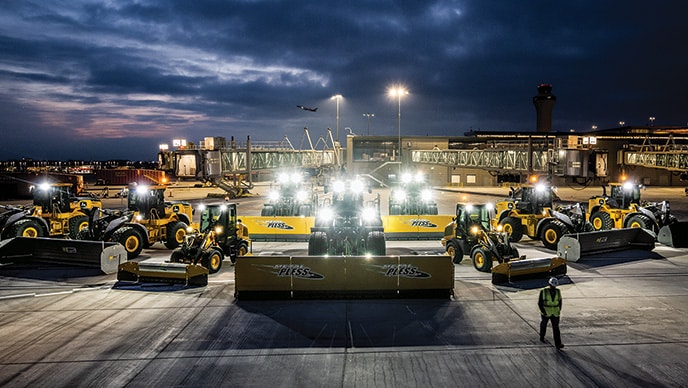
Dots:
pixel 624 209
pixel 523 212
pixel 412 196
pixel 565 220
pixel 201 253
pixel 55 212
pixel 347 226
pixel 289 198
pixel 115 226
pixel 165 222
pixel 470 233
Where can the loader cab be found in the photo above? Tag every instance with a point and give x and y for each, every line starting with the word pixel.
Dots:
pixel 470 216
pixel 533 199
pixel 623 195
pixel 53 197
pixel 224 216
pixel 149 202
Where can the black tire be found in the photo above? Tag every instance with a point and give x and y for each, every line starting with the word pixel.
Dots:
pixel 551 234
pixel 27 228
pixel 84 235
pixel 177 256
pixel 76 224
pixel 587 227
pixel 317 244
pixel 375 243
pixel 130 239
pixel 640 221
pixel 513 227
pixel 601 221
pixel 241 250
pixel 212 260
pixel 482 259
pixel 176 231
pixel 455 252
pixel 267 211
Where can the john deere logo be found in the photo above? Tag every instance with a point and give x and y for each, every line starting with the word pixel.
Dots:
pixel 423 223
pixel 405 270
pixel 297 271
pixel 278 225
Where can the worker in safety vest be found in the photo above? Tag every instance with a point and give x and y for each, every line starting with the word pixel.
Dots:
pixel 549 303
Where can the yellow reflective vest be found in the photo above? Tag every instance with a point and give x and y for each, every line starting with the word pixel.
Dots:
pixel 551 305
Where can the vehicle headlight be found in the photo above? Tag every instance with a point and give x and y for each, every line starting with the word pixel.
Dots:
pixel 368 214
pixel 219 230
pixel 326 214
pixel 426 195
pixel 338 186
pixel 399 195
pixel 273 196
pixel 474 230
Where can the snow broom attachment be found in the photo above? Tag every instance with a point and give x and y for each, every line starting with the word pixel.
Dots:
pixel 674 235
pixel 104 256
pixel 573 247
pixel 520 269
pixel 171 273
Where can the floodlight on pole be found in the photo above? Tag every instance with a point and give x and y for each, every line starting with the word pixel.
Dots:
pixel 398 92
pixel 369 115
pixel 337 97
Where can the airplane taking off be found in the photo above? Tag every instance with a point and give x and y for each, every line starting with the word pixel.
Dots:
pixel 307 108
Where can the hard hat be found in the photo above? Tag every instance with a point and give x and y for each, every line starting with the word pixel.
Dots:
pixel 553 282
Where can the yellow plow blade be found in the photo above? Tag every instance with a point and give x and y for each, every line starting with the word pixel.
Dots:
pixel 174 273
pixel 519 269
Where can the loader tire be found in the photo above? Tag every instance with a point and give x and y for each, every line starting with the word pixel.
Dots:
pixel 242 250
pixel 27 228
pixel 455 252
pixel 130 239
pixel 317 244
pixel 375 243
pixel 212 260
pixel 482 259
pixel 76 224
pixel 176 231
pixel 601 221
pixel 84 235
pixel 640 221
pixel 551 234
pixel 513 227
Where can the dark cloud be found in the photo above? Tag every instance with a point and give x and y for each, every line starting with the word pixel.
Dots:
pixel 118 78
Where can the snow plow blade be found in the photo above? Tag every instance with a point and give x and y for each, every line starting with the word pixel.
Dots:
pixel 171 273
pixel 573 247
pixel 674 235
pixel 285 277
pixel 520 269
pixel 105 256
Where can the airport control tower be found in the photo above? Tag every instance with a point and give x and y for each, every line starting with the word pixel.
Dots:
pixel 544 103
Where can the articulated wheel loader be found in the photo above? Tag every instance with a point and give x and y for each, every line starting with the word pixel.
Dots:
pixel 471 234
pixel 115 226
pixel 412 196
pixel 55 213
pixel 623 208
pixel 165 222
pixel 201 253
pixel 565 220
pixel 290 198
pixel 523 212
pixel 347 226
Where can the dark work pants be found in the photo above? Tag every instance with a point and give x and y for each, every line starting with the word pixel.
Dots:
pixel 555 328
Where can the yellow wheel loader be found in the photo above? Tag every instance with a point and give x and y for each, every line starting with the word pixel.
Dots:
pixel 55 213
pixel 524 212
pixel 202 252
pixel 165 222
pixel 470 234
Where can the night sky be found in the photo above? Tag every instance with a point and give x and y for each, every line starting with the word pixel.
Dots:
pixel 114 79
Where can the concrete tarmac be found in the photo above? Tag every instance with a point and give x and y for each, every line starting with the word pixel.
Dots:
pixel 623 323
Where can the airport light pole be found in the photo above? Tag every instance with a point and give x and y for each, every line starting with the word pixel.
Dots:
pixel 369 115
pixel 337 97
pixel 398 92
